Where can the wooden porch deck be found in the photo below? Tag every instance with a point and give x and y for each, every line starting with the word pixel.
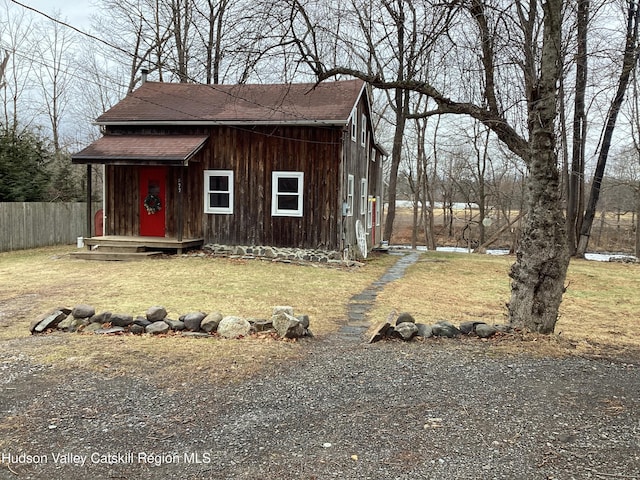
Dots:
pixel 117 247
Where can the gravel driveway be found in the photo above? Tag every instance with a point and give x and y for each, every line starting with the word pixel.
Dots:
pixel 437 409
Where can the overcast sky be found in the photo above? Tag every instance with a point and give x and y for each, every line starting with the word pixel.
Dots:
pixel 74 12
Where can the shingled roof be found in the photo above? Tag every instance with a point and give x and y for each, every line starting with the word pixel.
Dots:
pixel 184 103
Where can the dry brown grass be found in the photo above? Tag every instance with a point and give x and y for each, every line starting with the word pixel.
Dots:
pixel 35 281
pixel 598 315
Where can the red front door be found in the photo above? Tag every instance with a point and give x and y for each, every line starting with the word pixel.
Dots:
pixel 152 201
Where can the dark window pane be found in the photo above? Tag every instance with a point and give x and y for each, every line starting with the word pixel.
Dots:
pixel 287 185
pixel 219 200
pixel 219 183
pixel 287 202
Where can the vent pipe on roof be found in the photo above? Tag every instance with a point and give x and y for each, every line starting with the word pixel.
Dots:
pixel 144 72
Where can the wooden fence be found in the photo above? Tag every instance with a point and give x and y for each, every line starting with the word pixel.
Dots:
pixel 38 224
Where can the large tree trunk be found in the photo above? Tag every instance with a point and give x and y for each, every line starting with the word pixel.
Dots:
pixel 542 260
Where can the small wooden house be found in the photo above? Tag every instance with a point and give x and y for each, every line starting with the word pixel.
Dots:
pixel 293 165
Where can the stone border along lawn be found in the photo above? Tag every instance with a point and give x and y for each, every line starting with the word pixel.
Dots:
pixel 83 318
pixel 283 322
pixel 404 327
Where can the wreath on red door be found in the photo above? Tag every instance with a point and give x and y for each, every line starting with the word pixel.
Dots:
pixel 152 204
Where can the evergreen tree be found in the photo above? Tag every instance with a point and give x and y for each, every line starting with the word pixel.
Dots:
pixel 23 160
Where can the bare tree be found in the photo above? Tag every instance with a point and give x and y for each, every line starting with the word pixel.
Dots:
pixel 575 181
pixel 55 75
pixel 540 269
pixel 629 62
pixel 18 63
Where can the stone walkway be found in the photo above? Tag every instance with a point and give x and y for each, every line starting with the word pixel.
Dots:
pixel 361 303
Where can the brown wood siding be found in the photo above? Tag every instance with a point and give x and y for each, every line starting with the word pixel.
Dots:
pixel 325 155
pixel 355 163
pixel 122 200
pixel 253 154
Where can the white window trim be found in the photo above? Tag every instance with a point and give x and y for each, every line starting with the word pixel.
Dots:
pixel 363 130
pixel 354 125
pixel 350 193
pixel 370 202
pixel 378 211
pixel 364 195
pixel 275 211
pixel 218 210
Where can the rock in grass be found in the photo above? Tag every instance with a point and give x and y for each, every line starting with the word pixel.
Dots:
pixel 445 329
pixel 485 331
pixel 234 327
pixel 49 320
pixel 83 311
pixel 175 325
pixel 406 330
pixel 380 331
pixel 424 331
pixel 157 328
pixel 109 331
pixel 192 320
pixel 405 317
pixel 304 320
pixel 260 325
pixel 101 318
pixel 156 313
pixel 468 328
pixel 92 327
pixel 210 322
pixel 121 319
pixel 287 325
pixel 142 321
pixel 136 329
pixel 70 324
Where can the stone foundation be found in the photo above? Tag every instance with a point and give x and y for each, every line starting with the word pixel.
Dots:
pixel 278 254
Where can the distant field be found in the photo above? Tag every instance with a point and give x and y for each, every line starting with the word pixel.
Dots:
pixel 611 232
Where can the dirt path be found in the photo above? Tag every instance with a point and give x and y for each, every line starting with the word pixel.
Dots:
pixel 439 409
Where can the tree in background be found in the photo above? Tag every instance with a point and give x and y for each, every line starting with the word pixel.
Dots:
pixel 23 166
pixel 629 62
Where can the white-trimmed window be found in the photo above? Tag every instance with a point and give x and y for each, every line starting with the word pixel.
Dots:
pixel 370 203
pixel 354 126
pixel 218 191
pixel 363 130
pixel 287 194
pixel 350 192
pixel 363 196
pixel 378 211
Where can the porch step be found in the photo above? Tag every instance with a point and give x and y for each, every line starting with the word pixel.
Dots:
pixel 118 247
pixel 113 256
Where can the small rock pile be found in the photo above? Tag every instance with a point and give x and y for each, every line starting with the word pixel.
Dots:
pixel 83 318
pixel 405 328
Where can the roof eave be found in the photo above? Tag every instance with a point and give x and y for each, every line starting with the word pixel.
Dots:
pixel 172 161
pixel 307 123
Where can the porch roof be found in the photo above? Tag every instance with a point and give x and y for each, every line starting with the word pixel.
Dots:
pixel 142 150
